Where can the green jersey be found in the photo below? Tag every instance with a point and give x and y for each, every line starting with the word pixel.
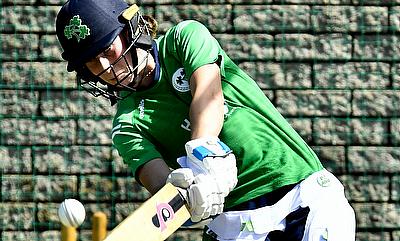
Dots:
pixel 154 123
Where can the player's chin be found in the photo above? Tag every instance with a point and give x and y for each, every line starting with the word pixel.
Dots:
pixel 130 83
pixel 127 81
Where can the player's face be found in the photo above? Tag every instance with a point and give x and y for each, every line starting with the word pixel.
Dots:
pixel 116 69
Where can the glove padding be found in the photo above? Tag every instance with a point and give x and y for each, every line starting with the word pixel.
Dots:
pixel 201 192
pixel 181 177
pixel 210 156
pixel 209 173
pixel 205 199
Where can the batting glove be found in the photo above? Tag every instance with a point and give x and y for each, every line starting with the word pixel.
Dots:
pixel 210 156
pixel 201 193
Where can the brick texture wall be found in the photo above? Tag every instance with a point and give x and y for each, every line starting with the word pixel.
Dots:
pixel 330 66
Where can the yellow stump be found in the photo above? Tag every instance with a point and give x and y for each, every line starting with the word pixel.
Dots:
pixel 99 226
pixel 68 233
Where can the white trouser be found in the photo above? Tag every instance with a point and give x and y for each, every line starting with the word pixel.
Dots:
pixel 330 218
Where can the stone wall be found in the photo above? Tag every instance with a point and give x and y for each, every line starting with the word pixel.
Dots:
pixel 330 66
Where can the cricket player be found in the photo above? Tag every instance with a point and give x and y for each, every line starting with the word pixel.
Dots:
pixel 188 115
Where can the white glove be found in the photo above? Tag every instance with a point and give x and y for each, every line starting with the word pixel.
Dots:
pixel 201 193
pixel 205 199
pixel 181 177
pixel 209 173
pixel 210 156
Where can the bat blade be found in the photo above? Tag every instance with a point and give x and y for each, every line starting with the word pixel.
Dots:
pixel 155 219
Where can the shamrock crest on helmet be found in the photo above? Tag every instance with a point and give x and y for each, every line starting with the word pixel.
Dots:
pixel 77 29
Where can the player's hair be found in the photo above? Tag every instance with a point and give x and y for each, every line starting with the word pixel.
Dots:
pixel 152 24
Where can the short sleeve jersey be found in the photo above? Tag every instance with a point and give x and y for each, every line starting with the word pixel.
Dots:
pixel 154 123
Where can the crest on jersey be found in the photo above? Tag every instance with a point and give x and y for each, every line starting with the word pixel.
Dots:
pixel 179 81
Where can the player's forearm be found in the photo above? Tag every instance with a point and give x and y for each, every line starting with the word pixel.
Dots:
pixel 207 107
pixel 206 118
pixel 153 175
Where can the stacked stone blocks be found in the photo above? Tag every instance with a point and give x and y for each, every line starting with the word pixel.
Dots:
pixel 331 67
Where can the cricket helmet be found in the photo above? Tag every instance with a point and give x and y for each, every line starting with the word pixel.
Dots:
pixel 85 28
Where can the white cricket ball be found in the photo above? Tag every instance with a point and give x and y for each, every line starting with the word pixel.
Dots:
pixel 71 213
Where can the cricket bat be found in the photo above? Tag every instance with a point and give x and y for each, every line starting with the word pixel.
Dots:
pixel 155 219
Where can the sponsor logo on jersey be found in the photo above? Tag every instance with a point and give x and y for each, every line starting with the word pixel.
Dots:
pixel 186 125
pixel 179 82
pixel 141 109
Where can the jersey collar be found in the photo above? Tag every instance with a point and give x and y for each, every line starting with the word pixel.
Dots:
pixel 154 53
